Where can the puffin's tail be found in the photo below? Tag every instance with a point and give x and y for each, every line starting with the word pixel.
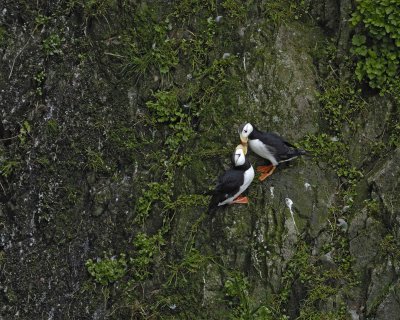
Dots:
pixel 295 152
pixel 303 152
pixel 213 206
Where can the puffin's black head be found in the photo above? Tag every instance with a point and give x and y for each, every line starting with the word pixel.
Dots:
pixel 244 131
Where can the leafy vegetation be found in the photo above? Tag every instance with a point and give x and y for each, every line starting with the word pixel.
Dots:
pixel 107 270
pixel 377 43
pixel 180 271
pixel 52 45
pixel 237 290
pixel 320 283
pixel 145 249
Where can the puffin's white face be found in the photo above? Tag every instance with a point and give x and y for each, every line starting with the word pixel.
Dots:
pixel 239 157
pixel 244 132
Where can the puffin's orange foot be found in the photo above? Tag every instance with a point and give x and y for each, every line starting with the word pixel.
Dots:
pixel 241 199
pixel 264 169
pixel 266 174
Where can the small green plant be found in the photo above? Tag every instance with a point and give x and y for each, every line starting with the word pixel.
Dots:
pixel 235 9
pixel 237 287
pixel 340 103
pixel 145 250
pixel 52 45
pixel 93 8
pixel 237 291
pixel 148 48
pixel 107 270
pixel 167 109
pixel 41 20
pixel 192 262
pixel 95 161
pixel 155 192
pixel 52 127
pixel 3 35
pixel 390 247
pixel 318 282
pixel 24 132
pixel 39 79
pixel 331 150
pixel 377 47
pixel 8 167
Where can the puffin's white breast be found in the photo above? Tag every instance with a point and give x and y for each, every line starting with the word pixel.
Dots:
pixel 257 146
pixel 248 178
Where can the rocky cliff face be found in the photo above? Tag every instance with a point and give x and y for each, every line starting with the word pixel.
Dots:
pixel 118 116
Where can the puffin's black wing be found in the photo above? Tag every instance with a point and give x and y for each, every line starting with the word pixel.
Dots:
pixel 231 180
pixel 281 149
pixel 228 184
pixel 275 143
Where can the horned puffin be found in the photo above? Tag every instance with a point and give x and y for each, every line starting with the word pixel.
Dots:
pixel 269 146
pixel 233 182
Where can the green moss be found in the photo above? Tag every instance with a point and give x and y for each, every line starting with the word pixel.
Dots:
pixel 146 248
pixel 180 272
pixel 107 270
pixel 11 296
pixel 93 9
pixel 95 161
pixel 3 36
pixel 235 9
pixel 331 150
pixel 148 48
pixel 340 103
pixel 52 45
pixel 44 161
pixel 39 79
pixel 42 20
pixel 155 192
pixel 319 283
pixel 2 257
pixel 278 12
pixel 189 201
pixel 7 167
pixel 390 247
pixel 52 127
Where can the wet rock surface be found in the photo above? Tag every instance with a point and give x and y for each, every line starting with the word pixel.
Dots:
pixel 103 195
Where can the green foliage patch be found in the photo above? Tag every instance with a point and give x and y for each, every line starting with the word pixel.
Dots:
pixel 146 247
pixel 332 151
pixel 341 102
pixel 320 283
pixel 236 289
pixel 192 262
pixel 8 167
pixel 107 270
pixel 377 44
pixel 52 45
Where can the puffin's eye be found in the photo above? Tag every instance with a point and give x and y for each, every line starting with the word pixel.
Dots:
pixel 245 131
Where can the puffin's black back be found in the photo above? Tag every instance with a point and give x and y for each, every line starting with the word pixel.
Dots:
pixel 278 146
pixel 228 184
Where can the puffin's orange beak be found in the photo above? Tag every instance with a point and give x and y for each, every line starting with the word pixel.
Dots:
pixel 244 140
pixel 243 146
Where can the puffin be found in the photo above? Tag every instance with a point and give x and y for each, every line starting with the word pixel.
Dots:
pixel 233 182
pixel 270 146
